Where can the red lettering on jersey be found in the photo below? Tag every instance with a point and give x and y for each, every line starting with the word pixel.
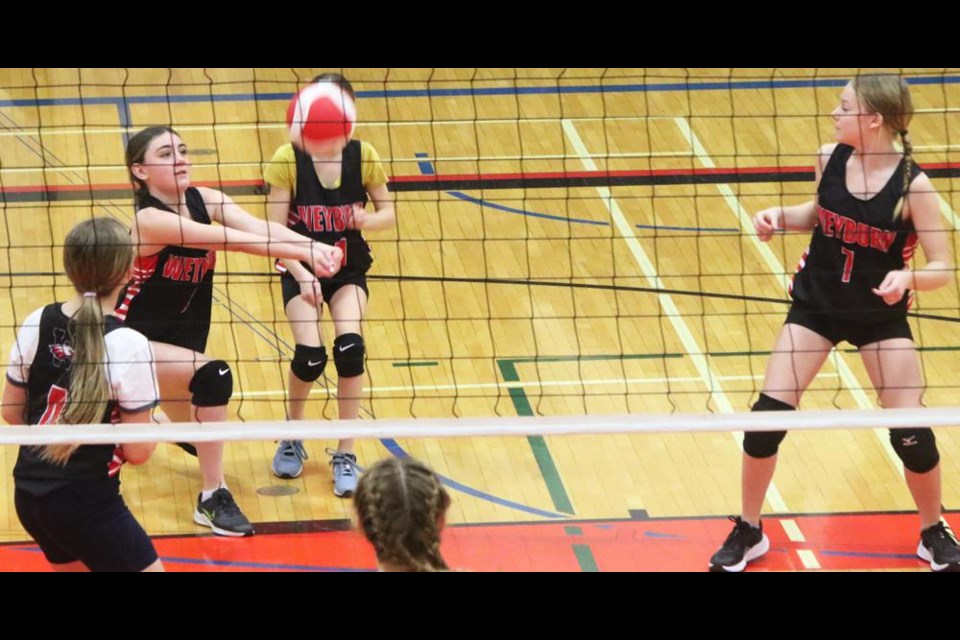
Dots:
pixel 827 221
pixel 340 218
pixel 863 234
pixel 209 262
pixel 173 267
pixel 882 240
pixel 850 231
pixel 189 269
pixel 333 219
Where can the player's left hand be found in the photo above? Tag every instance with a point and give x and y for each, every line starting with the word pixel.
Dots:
pixel 894 286
pixel 358 218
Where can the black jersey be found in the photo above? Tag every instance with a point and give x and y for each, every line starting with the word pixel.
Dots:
pixel 40 361
pixel 855 244
pixel 171 294
pixel 322 214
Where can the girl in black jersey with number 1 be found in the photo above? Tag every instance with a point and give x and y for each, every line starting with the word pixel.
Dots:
pixel 325 192
pixel 75 363
pixel 873 206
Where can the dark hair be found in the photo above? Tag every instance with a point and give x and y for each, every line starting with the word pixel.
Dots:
pixel 337 79
pixel 136 152
pixel 401 505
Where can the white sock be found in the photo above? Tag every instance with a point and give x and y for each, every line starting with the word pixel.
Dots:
pixel 206 494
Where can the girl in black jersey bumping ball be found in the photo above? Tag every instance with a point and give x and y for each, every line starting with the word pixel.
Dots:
pixel 75 363
pixel 170 297
pixel 873 206
pixel 324 191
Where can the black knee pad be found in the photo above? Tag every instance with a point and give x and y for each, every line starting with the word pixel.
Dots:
pixel 348 353
pixel 765 444
pixel 309 362
pixel 212 384
pixel 917 448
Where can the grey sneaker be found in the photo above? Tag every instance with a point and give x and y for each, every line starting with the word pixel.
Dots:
pixel 288 460
pixel 345 473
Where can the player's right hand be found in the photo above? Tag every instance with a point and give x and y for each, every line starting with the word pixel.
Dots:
pixel 767 222
pixel 326 259
pixel 310 291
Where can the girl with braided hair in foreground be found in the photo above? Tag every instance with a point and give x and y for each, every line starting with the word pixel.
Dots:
pixel 402 507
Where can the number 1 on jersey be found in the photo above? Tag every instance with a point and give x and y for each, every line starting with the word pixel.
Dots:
pixel 342 245
pixel 848 265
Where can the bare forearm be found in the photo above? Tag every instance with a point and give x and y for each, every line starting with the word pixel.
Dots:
pixel 297 270
pixel 799 217
pixel 381 219
pixel 277 231
pixel 933 276
pixel 258 246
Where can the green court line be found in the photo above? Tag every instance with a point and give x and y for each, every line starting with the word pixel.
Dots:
pixel 413 363
pixel 583 553
pixel 588 564
pixel 625 356
pixel 541 453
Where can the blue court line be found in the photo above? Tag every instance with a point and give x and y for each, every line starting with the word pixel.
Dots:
pixel 234 563
pixel 666 536
pixel 865 554
pixel 126 120
pixel 499 207
pixel 396 450
pixel 426 168
pixel 656 227
pixel 655 87
pixel 262 565
pixel 58 102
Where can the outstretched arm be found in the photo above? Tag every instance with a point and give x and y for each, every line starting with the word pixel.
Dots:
pixel 799 217
pixel 154 229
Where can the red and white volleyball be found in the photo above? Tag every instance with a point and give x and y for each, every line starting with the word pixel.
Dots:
pixel 321 113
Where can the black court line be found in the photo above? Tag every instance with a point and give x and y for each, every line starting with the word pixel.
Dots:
pixel 430 183
pixel 562 284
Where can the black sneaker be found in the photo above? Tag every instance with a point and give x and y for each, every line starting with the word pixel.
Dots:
pixel 939 547
pixel 745 543
pixel 221 513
